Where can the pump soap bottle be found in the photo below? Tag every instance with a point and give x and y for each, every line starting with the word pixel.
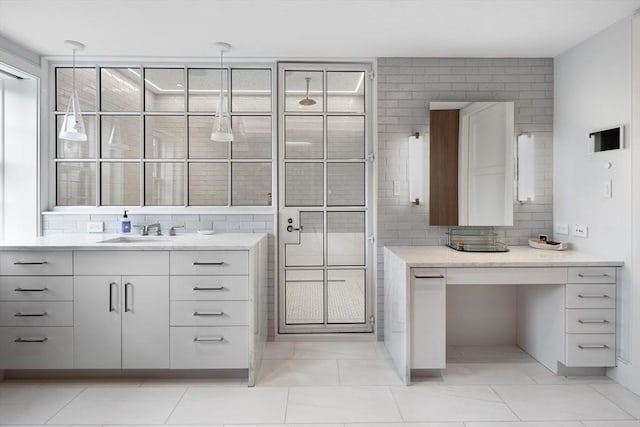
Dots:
pixel 125 223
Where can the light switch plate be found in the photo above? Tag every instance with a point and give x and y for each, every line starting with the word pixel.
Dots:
pixel 607 193
pixel 580 230
pixel 562 228
pixel 95 227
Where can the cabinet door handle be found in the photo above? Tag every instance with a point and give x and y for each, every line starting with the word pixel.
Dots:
pixel 592 347
pixel 126 297
pixel 593 296
pixel 208 288
pixel 31 290
pixel 208 313
pixel 30 262
pixel 207 339
pixel 439 276
pixel 208 263
pixel 18 314
pixel 593 275
pixel 111 307
pixel 30 339
pixel 584 322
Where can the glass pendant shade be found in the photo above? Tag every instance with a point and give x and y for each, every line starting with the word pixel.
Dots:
pixel 73 124
pixel 221 131
pixel 222 123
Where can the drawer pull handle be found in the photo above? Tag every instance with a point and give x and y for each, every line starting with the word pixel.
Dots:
pixel 208 339
pixel 44 313
pixel 30 262
pixel 111 307
pixel 592 347
pixel 30 339
pixel 593 296
pixel 208 313
pixel 584 322
pixel 439 276
pixel 126 297
pixel 208 288
pixel 31 290
pixel 208 263
pixel 593 275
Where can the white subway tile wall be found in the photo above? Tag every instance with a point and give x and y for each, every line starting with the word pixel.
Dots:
pixel 406 86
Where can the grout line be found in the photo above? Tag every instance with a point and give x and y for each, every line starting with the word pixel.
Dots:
pixel 286 406
pixel 176 405
pixel 591 386
pixel 395 400
pixel 82 390
pixel 505 403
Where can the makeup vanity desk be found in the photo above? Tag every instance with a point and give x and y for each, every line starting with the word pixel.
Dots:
pixel 566 304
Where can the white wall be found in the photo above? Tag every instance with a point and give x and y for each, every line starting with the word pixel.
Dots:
pixel 593 90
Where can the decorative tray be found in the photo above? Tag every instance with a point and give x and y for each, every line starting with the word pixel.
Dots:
pixel 548 245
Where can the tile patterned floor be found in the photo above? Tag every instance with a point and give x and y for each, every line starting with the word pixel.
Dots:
pixel 335 384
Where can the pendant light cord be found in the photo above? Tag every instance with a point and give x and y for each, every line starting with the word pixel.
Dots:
pixel 221 83
pixel 73 74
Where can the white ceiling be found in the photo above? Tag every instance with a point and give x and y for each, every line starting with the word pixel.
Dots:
pixel 309 28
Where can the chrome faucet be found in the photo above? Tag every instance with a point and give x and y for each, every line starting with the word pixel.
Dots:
pixel 147 228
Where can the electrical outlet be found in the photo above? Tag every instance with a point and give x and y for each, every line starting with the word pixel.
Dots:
pixel 562 228
pixel 95 227
pixel 580 230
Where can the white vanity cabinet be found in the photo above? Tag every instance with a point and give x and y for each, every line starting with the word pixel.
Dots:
pixel 565 304
pixel 428 298
pixel 36 313
pixel 121 321
pixel 210 309
pixel 591 317
pixel 189 302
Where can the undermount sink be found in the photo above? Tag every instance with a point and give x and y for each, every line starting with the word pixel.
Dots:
pixel 136 239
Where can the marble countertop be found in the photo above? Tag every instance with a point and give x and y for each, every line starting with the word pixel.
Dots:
pixel 189 241
pixel 518 256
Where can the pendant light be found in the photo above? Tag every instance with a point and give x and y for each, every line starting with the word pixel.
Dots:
pixel 222 122
pixel 306 101
pixel 73 124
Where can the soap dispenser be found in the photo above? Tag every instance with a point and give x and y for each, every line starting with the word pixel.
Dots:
pixel 125 223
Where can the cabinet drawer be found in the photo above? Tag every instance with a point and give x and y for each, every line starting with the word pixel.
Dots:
pixel 209 313
pixel 36 348
pixel 209 288
pixel 209 262
pixel 591 321
pixel 36 288
pixel 592 275
pixel 591 350
pixel 36 313
pixel 133 263
pixel 210 347
pixel 36 263
pixel 506 276
pixel 591 296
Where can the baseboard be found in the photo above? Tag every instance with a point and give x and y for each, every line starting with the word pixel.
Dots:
pixel 36 374
pixel 338 337
pixel 566 371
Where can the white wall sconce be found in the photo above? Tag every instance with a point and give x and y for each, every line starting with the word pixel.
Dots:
pixel 416 168
pixel 526 167
pixel 72 123
pixel 221 131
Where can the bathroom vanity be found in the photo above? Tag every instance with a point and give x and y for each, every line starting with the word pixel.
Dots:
pixel 565 304
pixel 188 302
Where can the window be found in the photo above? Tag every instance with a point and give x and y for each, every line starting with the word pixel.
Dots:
pixel 149 144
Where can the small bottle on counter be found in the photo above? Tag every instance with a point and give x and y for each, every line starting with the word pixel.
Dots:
pixel 125 223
